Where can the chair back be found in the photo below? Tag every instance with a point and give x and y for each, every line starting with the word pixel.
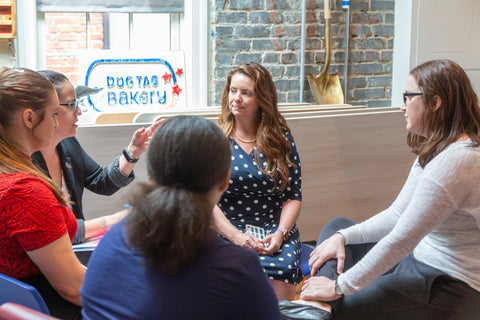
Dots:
pixel 304 257
pixel 13 311
pixel 13 290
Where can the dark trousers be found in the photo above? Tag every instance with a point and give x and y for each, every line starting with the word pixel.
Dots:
pixel 410 290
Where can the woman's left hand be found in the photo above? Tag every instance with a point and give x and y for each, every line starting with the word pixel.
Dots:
pixel 319 289
pixel 141 138
pixel 274 242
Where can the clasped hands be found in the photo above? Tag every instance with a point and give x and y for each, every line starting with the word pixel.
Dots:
pixel 269 245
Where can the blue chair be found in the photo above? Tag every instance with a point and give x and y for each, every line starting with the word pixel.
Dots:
pixel 12 290
pixel 304 257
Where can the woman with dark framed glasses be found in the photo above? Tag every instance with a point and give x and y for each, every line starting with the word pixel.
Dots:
pixel 419 258
pixel 72 169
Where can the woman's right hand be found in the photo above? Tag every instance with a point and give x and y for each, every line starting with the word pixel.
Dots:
pixel 332 248
pixel 247 241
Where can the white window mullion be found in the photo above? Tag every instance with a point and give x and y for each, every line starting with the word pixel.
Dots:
pixel 26 44
pixel 175 31
pixel 89 42
pixel 196 54
pixel 131 43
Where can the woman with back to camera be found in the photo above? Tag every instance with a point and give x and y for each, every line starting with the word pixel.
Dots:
pixel 164 260
pixel 265 184
pixel 36 225
pixel 72 169
pixel 419 258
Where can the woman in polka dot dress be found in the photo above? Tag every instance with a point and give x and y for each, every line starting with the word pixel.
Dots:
pixel 265 181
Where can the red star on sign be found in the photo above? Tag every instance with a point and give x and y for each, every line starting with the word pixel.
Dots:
pixel 167 77
pixel 179 72
pixel 176 90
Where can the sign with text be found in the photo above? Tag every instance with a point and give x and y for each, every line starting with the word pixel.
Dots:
pixel 135 84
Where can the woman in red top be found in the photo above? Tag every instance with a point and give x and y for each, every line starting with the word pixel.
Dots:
pixel 36 225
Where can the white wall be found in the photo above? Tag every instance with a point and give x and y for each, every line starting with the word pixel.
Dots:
pixel 435 29
pixel 401 49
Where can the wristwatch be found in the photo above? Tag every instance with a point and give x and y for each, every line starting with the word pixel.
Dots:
pixel 338 290
pixel 284 233
pixel 128 156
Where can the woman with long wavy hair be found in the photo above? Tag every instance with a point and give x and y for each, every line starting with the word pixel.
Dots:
pixel 265 183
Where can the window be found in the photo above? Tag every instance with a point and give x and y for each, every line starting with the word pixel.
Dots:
pixel 68 35
pixel 187 31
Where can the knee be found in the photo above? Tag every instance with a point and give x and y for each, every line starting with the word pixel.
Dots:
pixel 340 223
pixel 333 226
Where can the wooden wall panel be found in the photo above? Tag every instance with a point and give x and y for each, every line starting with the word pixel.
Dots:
pixel 353 164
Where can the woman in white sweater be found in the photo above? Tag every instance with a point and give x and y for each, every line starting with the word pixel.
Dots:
pixel 419 258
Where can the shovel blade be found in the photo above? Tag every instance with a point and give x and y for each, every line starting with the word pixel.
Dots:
pixel 326 89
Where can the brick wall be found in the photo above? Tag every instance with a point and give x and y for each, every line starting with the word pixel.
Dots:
pixel 66 33
pixel 269 32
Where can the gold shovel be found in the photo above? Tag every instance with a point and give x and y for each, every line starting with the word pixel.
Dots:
pixel 326 88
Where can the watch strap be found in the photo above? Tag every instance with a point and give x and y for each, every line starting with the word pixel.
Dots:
pixel 128 156
pixel 338 290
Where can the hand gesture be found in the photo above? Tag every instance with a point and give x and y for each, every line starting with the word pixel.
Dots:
pixel 141 139
pixel 332 248
pixel 319 289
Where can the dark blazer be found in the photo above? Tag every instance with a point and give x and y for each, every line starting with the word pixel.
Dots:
pixel 81 171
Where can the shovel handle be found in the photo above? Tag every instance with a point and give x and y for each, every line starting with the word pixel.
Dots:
pixel 327 9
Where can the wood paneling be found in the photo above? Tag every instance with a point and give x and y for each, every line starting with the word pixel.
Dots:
pixel 354 162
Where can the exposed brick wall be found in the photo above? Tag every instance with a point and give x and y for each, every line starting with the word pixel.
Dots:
pixel 269 32
pixel 65 34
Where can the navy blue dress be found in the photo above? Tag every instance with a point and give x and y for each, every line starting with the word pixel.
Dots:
pixel 252 198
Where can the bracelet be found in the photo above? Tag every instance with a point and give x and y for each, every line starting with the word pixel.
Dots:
pixel 128 156
pixel 103 223
pixel 284 232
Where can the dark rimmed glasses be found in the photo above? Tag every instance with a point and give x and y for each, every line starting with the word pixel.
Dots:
pixel 73 104
pixel 410 94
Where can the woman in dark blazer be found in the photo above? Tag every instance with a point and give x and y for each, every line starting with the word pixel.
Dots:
pixel 72 169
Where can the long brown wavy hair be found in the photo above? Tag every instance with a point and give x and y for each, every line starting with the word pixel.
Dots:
pixel 271 127
pixel 458 114
pixel 170 222
pixel 21 89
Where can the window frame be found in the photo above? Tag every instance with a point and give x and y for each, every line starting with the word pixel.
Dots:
pixel 192 30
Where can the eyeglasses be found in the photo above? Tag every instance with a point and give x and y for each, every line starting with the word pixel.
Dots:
pixel 410 94
pixel 73 104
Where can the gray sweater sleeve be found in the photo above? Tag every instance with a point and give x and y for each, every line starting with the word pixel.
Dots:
pixel 428 198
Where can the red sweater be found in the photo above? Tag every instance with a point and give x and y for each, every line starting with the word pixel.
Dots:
pixel 30 218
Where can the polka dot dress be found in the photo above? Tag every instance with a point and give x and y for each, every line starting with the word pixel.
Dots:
pixel 251 198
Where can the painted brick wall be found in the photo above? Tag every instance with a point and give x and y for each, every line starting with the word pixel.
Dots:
pixel 269 32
